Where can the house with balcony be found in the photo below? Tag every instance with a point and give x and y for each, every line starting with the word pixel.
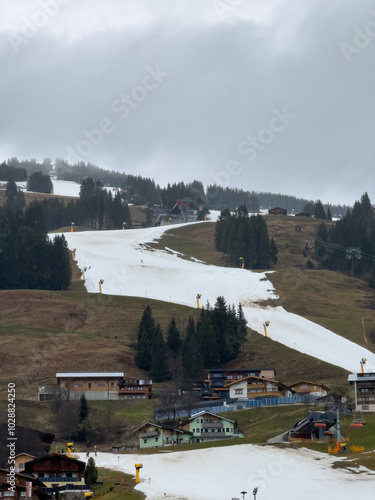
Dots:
pixel 153 435
pixel 215 384
pixel 58 472
pixel 312 388
pixel 25 487
pixel 364 391
pixel 207 426
pixel 252 387
pixel 96 386
pixel 132 388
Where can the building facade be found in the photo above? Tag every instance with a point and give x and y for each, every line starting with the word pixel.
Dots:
pixel 364 391
pixel 206 426
pixel 153 435
pixel 252 387
pixel 215 384
pixel 58 472
pixel 96 386
pixel 24 487
pixel 312 388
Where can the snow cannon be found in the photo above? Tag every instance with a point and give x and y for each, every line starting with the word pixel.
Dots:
pixel 138 467
pixel 265 325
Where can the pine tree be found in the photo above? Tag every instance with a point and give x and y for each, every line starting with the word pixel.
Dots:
pixel 91 472
pixel 146 335
pixel 319 210
pixel 174 338
pixel 158 368
pixel 191 356
pixel 83 413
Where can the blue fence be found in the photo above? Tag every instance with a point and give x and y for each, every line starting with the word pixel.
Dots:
pixel 220 407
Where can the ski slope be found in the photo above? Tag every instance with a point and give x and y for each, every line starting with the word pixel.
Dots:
pixel 223 473
pixel 129 266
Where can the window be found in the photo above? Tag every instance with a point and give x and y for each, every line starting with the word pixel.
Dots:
pixel 365 407
pixel 89 386
pixel 239 376
pixel 227 429
pixel 101 385
pixel 21 465
pixel 197 420
pixel 8 493
pixel 23 493
pixel 156 439
pixel 112 385
pixel 145 441
pixel 78 385
pixel 239 391
pixel 230 377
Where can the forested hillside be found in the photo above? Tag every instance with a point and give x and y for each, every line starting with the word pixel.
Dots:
pixel 349 245
pixel 144 191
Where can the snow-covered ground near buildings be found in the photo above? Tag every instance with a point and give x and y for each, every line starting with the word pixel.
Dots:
pixel 129 266
pixel 223 473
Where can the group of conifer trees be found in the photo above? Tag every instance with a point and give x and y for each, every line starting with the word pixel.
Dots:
pixel 245 239
pixel 214 339
pixel 28 258
pixel 349 245
pixel 40 183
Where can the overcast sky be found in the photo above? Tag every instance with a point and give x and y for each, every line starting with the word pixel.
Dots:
pixel 266 95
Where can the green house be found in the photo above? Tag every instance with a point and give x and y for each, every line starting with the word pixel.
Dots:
pixel 152 435
pixel 207 426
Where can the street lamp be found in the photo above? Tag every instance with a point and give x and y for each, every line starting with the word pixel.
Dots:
pixel 243 493
pixel 255 491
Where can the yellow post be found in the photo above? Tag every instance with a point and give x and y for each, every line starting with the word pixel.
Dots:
pixel 363 362
pixel 169 221
pixel 199 296
pixel 74 253
pixel 100 285
pixel 71 226
pixel 137 469
pixel 265 324
pixel 69 445
pixel 123 225
pixel 242 262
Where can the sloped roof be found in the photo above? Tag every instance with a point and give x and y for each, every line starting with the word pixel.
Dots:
pixel 311 383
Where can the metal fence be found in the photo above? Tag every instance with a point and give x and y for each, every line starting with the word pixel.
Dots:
pixel 222 406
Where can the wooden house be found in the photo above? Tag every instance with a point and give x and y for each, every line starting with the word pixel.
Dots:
pixel 95 385
pixel 215 384
pixel 312 388
pixel 56 470
pixel 132 388
pixel 364 391
pixel 23 487
pixel 252 387
pixel 277 211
